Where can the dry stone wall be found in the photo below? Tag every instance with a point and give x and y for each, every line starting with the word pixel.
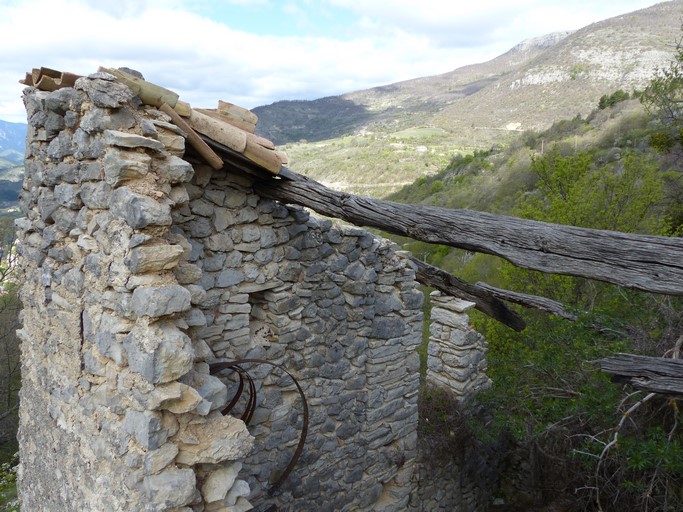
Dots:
pixel 142 266
pixel 335 305
pixel 456 354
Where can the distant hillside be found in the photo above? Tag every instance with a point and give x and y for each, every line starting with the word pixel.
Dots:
pixel 534 84
pixel 12 147
pixel 12 141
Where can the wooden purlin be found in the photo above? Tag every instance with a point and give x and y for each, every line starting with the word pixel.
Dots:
pixel 208 154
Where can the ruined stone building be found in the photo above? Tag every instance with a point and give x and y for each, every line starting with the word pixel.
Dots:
pixel 147 257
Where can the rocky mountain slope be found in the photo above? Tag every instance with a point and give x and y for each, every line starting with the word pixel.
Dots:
pixel 12 146
pixel 535 83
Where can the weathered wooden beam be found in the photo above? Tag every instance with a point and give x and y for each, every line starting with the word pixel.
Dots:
pixel 528 301
pixel 652 374
pixel 648 263
pixel 445 282
pixel 215 161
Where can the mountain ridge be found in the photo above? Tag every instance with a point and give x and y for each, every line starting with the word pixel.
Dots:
pixel 533 84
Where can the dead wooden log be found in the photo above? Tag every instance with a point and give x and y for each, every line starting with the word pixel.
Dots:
pixel 528 301
pixel 445 282
pixel 651 374
pixel 647 263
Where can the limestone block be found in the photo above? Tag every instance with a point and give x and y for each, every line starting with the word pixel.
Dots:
pixel 160 301
pixel 156 460
pixel 213 439
pixel 96 195
pixel 449 318
pixel 153 258
pixel 121 165
pixel 175 144
pixel 174 169
pixel 175 397
pixel 210 388
pixel 100 119
pixel 188 401
pixel 67 195
pixel 387 327
pixel 159 352
pixel 242 505
pixel 146 428
pixel 104 93
pixel 219 483
pixel 171 488
pixel 130 140
pixel 139 211
pixel 61 146
pixel 450 303
pixel 220 242
pixel 229 277
pixel 187 273
pixel 63 100
pixel 87 147
pixel 197 293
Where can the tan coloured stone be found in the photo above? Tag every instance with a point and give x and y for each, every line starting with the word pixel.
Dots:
pixel 220 482
pixel 212 440
pixel 153 258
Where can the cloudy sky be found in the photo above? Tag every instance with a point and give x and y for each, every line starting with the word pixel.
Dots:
pixel 255 52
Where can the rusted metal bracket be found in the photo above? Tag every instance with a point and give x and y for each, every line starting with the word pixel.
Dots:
pixel 243 375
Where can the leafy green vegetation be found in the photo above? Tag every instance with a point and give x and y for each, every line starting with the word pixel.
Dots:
pixel 8 485
pixel 616 169
pixel 10 378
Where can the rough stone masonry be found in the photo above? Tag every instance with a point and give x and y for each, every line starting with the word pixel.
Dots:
pixel 140 267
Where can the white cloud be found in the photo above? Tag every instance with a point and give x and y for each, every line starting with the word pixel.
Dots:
pixel 205 61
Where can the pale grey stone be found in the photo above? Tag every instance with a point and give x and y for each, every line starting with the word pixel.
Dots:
pixel 53 125
pixel 229 278
pixel 103 92
pixel 220 481
pixel 175 169
pixel 171 488
pixel 130 140
pixel 187 273
pixel 219 242
pixel 216 439
pixel 146 428
pixel 159 301
pixel 67 195
pixel 137 210
pixel 121 165
pixel 87 146
pixel 99 119
pixel 235 198
pixel 153 258
pixel 209 387
pixel 197 293
pixel 216 196
pixel 61 146
pixel 96 196
pixel 156 460
pixel 63 100
pixel 159 352
pixel 202 207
